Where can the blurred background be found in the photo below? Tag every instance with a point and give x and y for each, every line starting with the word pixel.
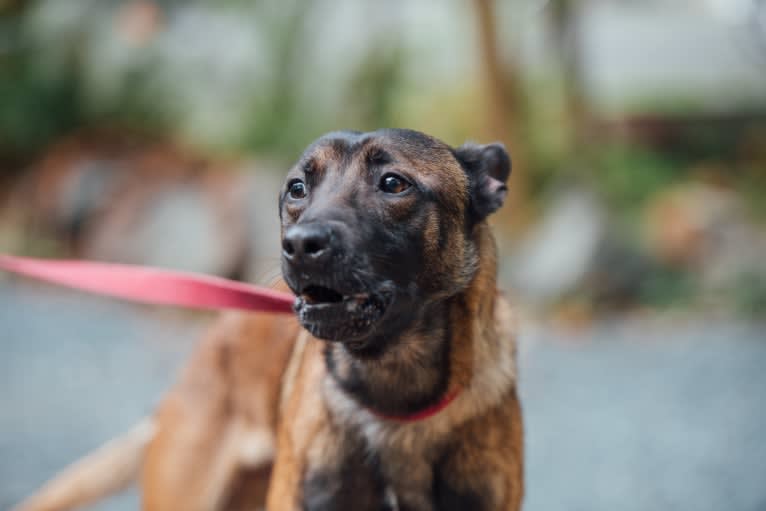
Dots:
pixel 633 242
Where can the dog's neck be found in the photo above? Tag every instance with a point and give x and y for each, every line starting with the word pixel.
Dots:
pixel 433 357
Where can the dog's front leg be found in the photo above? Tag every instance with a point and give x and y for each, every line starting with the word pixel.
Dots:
pixel 411 478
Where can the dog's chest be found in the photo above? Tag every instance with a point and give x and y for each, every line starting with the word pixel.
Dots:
pixel 394 472
pixel 376 478
pixel 385 462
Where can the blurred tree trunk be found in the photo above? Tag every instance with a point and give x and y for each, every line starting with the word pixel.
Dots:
pixel 566 34
pixel 503 92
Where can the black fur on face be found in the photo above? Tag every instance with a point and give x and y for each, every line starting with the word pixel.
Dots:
pixel 377 226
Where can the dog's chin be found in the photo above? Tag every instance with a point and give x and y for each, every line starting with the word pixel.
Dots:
pixel 350 318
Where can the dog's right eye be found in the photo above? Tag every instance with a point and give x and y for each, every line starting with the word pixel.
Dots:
pixel 297 189
pixel 393 183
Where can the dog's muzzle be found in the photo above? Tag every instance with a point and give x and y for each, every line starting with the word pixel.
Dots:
pixel 332 303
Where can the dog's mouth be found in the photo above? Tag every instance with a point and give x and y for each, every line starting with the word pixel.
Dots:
pixel 335 315
pixel 315 295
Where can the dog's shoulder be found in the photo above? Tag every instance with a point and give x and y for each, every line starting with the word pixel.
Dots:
pixel 488 364
pixel 303 417
pixel 241 352
pixel 225 397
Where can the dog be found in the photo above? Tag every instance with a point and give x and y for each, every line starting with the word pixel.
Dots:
pixel 386 246
pixel 394 386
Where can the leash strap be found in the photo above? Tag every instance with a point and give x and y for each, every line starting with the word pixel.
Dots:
pixel 166 287
pixel 151 285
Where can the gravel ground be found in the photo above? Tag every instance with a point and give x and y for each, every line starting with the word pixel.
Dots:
pixel 628 415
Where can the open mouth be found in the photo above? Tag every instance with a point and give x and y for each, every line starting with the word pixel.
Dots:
pixel 330 314
pixel 319 294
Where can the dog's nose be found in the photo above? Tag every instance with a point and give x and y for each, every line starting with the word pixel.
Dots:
pixel 307 243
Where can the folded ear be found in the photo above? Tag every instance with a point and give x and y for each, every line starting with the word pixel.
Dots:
pixel 488 167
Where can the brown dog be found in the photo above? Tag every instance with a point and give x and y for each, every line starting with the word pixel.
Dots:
pixel 386 246
pixel 399 392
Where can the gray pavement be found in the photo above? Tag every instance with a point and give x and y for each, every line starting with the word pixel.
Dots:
pixel 76 370
pixel 646 417
pixel 628 415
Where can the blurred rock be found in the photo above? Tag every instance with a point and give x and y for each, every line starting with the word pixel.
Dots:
pixel 680 222
pixel 561 249
pixel 617 275
pixel 194 224
pixel 706 229
pixel 73 180
pixel 577 259
pixel 112 198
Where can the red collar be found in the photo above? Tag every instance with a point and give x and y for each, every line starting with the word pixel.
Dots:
pixel 423 414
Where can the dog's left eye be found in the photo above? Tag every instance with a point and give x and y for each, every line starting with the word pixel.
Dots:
pixel 297 189
pixel 392 183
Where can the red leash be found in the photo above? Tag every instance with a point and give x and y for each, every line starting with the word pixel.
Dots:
pixel 151 285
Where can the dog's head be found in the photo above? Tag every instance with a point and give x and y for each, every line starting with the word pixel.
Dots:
pixel 375 226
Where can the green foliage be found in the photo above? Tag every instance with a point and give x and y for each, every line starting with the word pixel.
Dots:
pixel 668 287
pixel 41 101
pixel 627 176
pixel 750 295
pixel 751 185
pixel 375 86
pixel 547 136
pixel 277 123
pixel 33 111
pixel 35 106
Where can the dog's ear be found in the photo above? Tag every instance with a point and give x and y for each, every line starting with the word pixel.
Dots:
pixel 488 167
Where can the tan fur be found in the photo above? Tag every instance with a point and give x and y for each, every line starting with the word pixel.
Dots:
pixel 217 425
